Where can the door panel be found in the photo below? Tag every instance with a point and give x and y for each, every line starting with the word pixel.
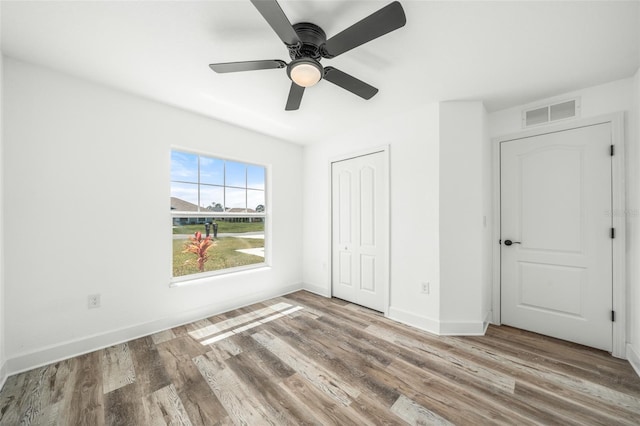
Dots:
pixel 367 207
pixel 567 288
pixel 344 206
pixel 360 220
pixel 555 195
pixel 345 268
pixel 368 273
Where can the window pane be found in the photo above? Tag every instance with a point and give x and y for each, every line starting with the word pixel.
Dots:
pixel 235 199
pixel 236 174
pixel 184 167
pixel 237 241
pixel 255 177
pixel 190 225
pixel 212 171
pixel 184 197
pixel 255 200
pixel 212 198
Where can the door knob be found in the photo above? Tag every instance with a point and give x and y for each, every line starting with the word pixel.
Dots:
pixel 509 242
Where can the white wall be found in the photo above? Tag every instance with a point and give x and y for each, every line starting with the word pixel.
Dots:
pixel 633 227
pixel 414 174
pixel 598 100
pixel 3 373
pixel 465 253
pixel 87 211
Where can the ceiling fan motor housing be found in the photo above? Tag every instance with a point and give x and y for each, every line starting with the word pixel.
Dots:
pixel 312 38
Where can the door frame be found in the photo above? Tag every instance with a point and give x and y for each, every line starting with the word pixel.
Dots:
pixel 384 149
pixel 618 206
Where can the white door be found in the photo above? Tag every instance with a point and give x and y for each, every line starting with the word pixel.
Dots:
pixel 360 230
pixel 556 210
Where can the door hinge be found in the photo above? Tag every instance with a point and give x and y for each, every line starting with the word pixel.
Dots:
pixel 613 316
pixel 613 232
pixel 612 150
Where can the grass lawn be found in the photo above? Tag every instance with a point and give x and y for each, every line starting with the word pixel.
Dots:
pixel 222 227
pixel 221 256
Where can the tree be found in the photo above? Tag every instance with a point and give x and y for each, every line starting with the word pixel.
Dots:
pixel 216 207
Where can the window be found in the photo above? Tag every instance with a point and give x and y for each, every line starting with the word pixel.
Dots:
pixel 218 213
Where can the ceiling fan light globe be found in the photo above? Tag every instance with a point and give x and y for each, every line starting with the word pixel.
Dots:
pixel 305 73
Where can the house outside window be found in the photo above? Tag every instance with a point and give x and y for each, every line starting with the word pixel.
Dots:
pixel 218 215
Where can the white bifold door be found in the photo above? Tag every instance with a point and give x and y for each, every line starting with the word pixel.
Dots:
pixel 360 230
pixel 556 251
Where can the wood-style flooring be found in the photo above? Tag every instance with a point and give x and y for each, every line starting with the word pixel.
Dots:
pixel 304 359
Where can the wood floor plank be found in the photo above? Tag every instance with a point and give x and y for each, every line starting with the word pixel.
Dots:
pixel 474 372
pixel 86 406
pixel 30 403
pixel 351 340
pixel 565 412
pixel 304 359
pixel 320 377
pixel 39 407
pixel 576 360
pixel 593 394
pixel 415 414
pixel 151 374
pixel 443 359
pixel 117 367
pixel 221 323
pixel 202 406
pixel 458 402
pixel 226 347
pixel 123 407
pixel 347 363
pixel 163 336
pixel 233 395
pixel 266 390
pixel 164 406
pixel 324 408
pixel 261 357
pixel 184 345
pixel 354 319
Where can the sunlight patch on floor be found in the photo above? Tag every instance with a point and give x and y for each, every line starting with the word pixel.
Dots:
pixel 241 323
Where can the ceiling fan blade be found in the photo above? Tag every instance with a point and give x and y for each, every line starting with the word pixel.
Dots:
pixel 350 83
pixel 389 18
pixel 273 14
pixel 295 97
pixel 248 66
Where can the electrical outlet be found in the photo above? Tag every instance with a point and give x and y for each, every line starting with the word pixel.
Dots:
pixel 424 287
pixel 93 301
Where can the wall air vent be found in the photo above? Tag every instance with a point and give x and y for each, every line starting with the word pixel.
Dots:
pixel 551 113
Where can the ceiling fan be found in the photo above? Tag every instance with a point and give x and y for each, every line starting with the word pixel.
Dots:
pixel 307 44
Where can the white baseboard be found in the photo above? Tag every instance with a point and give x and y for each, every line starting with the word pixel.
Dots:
pixel 3 374
pixel 462 328
pixel 316 289
pixel 441 328
pixel 487 320
pixel 417 321
pixel 634 358
pixel 30 360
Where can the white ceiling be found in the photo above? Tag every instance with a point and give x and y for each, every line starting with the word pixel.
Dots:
pixel 504 53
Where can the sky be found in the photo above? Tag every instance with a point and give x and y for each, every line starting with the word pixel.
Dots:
pixel 226 182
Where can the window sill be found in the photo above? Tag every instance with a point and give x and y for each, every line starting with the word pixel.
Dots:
pixel 215 275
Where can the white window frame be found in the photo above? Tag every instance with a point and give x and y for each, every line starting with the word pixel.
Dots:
pixel 265 216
